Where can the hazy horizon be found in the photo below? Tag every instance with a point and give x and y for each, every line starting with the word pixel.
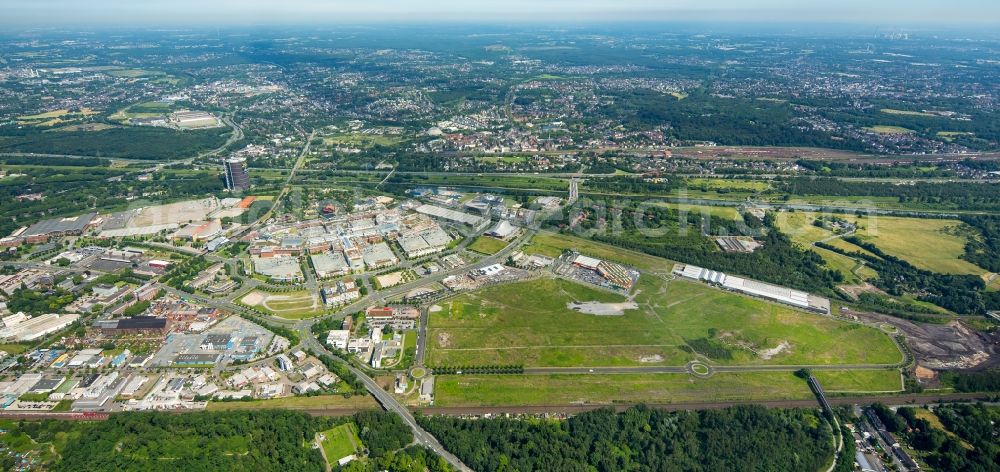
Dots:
pixel 116 13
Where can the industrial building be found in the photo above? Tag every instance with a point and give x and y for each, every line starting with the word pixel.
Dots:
pixel 193 119
pixel 44 230
pixel 452 215
pixel 237 177
pixel 784 295
pixel 134 325
pixel 377 256
pixel 737 244
pixel 196 359
pixel 428 241
pixel 278 269
pixel 488 271
pixel 586 262
pixel 330 264
pixel 30 329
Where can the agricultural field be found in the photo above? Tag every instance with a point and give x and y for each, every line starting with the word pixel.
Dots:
pixel 142 110
pixel 340 442
pixel 529 323
pixel 291 305
pixel 992 282
pixel 725 212
pixel 884 129
pixel 487 245
pixel 150 76
pixel 951 135
pixel 55 117
pixel 932 244
pixel 564 389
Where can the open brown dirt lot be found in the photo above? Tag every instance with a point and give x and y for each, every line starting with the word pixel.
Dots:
pixel 945 346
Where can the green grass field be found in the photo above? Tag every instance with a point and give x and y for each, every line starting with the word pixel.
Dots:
pixel 513 390
pixel 992 285
pixel 529 323
pixel 931 244
pixel 951 135
pixel 725 212
pixel 553 244
pixel 860 381
pixel 487 245
pixel 13 348
pixel 341 442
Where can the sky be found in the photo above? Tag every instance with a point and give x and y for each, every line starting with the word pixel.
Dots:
pixel 35 13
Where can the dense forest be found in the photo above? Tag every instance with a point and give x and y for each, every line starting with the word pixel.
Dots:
pixel 70 193
pixel 964 381
pixel 984 251
pixel 971 448
pixel 35 302
pixel 238 441
pixel 260 441
pixel 131 143
pixel 387 439
pixel 642 439
pixel 56 161
pixel 953 195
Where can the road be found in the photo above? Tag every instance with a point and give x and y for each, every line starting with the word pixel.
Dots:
pixel 714 369
pixel 284 189
pixel 389 402
pixel 892 401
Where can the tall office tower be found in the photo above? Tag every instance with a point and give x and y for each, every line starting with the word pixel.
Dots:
pixel 237 177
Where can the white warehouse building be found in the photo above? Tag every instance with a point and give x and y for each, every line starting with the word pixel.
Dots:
pixel 784 295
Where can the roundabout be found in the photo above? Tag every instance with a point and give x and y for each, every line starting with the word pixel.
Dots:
pixel 699 369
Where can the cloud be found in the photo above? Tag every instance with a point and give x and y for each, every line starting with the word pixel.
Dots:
pixel 236 12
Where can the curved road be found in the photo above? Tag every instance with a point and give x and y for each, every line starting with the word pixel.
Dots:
pixel 389 402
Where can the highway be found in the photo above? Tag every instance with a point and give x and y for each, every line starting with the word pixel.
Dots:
pixel 389 402
pixel 386 399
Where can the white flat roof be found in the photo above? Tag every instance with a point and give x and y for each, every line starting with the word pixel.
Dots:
pixel 585 261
